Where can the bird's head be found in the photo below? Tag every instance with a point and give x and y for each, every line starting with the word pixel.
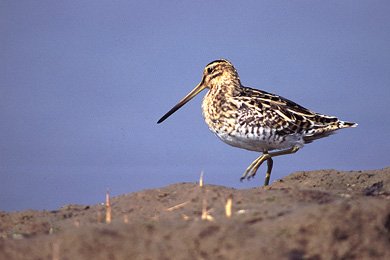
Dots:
pixel 217 73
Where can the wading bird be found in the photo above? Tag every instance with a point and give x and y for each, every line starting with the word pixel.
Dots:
pixel 256 120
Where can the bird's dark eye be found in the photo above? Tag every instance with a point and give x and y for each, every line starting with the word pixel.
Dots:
pixel 209 70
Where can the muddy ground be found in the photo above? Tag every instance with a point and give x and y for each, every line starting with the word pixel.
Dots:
pixel 307 215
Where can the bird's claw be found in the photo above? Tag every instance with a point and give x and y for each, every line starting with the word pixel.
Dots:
pixel 248 175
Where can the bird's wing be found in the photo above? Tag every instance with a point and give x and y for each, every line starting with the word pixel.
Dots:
pixel 263 109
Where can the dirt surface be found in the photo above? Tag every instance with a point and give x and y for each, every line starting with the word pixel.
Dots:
pixel 306 215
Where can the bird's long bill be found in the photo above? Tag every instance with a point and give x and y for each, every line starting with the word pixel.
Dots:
pixel 182 102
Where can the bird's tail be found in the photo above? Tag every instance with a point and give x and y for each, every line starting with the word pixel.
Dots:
pixel 326 130
pixel 344 124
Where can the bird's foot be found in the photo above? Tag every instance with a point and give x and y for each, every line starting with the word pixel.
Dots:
pixel 251 171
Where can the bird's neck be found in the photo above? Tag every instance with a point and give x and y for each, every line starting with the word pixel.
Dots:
pixel 226 85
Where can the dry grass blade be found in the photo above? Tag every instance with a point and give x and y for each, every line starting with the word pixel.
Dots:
pixel 108 207
pixel 201 179
pixel 205 213
pixel 228 206
pixel 177 206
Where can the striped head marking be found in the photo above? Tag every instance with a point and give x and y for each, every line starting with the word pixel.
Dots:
pixel 217 72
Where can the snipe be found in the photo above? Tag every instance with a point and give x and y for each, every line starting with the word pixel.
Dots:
pixel 254 119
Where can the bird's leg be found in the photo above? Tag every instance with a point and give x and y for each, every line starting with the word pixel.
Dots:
pixel 250 172
pixel 293 149
pixel 270 163
pixel 257 163
pixel 252 169
pixel 249 169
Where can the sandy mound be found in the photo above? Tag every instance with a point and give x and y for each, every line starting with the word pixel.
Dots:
pixel 307 215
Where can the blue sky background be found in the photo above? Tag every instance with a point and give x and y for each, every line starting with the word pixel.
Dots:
pixel 82 84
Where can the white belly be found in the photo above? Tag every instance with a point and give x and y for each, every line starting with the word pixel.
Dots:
pixel 259 143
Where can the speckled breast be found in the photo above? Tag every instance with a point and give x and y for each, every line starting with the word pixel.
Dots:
pixel 222 115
